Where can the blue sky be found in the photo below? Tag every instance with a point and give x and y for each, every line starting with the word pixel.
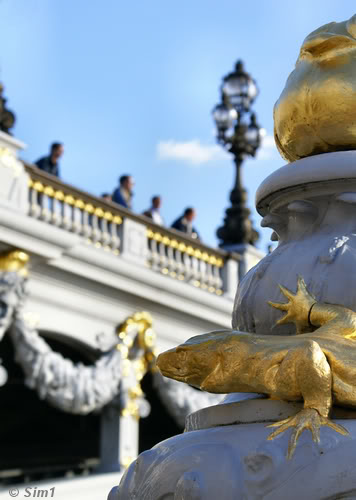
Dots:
pixel 128 87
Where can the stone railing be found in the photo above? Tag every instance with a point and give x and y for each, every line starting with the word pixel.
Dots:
pixel 112 228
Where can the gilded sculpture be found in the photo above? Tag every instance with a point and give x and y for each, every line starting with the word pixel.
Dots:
pixel 316 110
pixel 314 114
pixel 316 366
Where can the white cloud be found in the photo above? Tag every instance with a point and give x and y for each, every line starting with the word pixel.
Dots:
pixel 268 149
pixel 195 153
pixel 191 152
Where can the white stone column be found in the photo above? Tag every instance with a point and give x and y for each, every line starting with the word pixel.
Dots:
pixel 230 277
pixel 118 440
pixel 120 426
pixel 13 178
pixel 134 243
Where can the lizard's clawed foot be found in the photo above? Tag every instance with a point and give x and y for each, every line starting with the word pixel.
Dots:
pixel 309 418
pixel 297 308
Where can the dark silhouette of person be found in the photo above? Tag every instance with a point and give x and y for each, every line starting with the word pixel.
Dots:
pixel 184 223
pixel 123 193
pixel 50 163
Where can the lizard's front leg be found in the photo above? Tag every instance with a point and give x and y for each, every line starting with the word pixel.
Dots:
pixel 305 371
pixel 307 314
pixel 297 308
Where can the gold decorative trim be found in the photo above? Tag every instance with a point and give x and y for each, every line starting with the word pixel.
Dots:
pixel 49 191
pixel 188 249
pixel 144 340
pixel 38 186
pixel 79 204
pixel 75 202
pixel 69 199
pixel 15 261
pixel 126 461
pixel 59 195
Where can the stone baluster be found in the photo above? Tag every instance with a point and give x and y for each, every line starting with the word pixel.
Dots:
pixel 187 267
pixel 179 264
pixel 154 257
pixel 163 259
pixel 203 276
pixel 45 202
pixel 95 230
pixel 77 223
pixel 105 236
pixel 171 263
pixel 230 277
pixel 34 206
pixel 113 230
pixel 211 280
pixel 67 213
pixel 57 210
pixel 87 214
pixel 194 267
pixel 219 281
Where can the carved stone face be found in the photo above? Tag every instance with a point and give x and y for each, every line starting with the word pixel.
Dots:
pixel 12 293
pixel 316 110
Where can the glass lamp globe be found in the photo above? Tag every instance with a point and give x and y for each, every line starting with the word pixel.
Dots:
pixel 224 116
pixel 253 132
pixel 239 88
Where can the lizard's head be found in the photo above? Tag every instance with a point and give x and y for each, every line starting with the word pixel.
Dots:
pixel 193 361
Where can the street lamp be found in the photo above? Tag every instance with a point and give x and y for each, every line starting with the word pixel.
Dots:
pixel 239 133
pixel 7 117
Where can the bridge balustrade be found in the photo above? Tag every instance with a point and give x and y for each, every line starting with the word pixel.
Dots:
pixel 105 225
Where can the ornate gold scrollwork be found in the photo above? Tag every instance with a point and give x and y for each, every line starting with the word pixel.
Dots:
pixel 136 337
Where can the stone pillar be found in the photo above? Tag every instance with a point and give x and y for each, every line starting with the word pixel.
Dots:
pixel 118 440
pixel 250 256
pixel 225 452
pixel 134 244
pixel 13 178
pixel 230 277
pixel 120 425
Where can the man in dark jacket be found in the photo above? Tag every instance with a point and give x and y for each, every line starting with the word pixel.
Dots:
pixel 123 193
pixel 49 163
pixel 184 223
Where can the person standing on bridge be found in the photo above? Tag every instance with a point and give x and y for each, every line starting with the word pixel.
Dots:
pixel 184 223
pixel 123 193
pixel 153 212
pixel 49 163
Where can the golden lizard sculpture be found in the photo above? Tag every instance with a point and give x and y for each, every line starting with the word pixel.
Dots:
pixel 317 367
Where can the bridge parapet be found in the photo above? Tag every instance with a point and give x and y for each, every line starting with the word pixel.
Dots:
pixel 114 229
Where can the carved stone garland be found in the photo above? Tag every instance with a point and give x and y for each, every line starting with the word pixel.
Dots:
pixel 79 389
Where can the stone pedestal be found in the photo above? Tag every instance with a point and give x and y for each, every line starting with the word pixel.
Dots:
pixel 14 180
pixel 311 206
pixel 224 454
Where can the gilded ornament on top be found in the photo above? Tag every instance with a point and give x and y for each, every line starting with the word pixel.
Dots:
pixel 316 110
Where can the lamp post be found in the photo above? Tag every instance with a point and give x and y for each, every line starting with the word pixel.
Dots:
pixel 7 117
pixel 239 133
